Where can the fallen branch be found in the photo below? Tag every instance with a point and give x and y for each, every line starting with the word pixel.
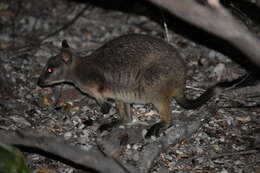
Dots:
pixel 173 136
pixel 215 19
pixel 67 25
pixel 93 159
pixel 234 153
pixel 152 150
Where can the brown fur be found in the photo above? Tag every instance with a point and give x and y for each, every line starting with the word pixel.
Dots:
pixel 130 69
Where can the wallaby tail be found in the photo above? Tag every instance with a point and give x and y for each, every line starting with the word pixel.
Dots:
pixel 214 90
pixel 196 103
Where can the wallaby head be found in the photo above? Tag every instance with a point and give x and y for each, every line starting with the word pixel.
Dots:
pixel 57 67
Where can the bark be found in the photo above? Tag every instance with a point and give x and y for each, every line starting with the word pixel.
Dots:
pixel 215 19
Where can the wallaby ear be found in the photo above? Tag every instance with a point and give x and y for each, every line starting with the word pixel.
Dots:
pixel 64 44
pixel 66 56
pixel 65 52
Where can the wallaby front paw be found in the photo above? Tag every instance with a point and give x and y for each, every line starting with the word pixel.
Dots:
pixel 109 126
pixel 105 108
pixel 124 138
pixel 155 130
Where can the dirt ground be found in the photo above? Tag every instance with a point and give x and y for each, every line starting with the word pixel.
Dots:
pixel 228 142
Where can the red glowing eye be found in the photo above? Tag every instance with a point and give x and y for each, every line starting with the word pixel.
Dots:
pixel 50 70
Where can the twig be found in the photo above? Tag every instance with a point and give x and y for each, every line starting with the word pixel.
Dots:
pixel 165 26
pixel 195 88
pixel 57 31
pixel 244 78
pixel 14 23
pixel 68 24
pixel 234 153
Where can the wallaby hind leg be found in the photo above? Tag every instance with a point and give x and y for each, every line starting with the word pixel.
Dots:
pixel 125 113
pixel 166 118
pixel 105 108
pixel 125 116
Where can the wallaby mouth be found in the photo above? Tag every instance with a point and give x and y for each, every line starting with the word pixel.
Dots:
pixel 41 83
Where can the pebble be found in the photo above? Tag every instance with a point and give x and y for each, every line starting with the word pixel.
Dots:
pixel 19 119
pixel 136 157
pixel 67 135
pixel 224 171
pixel 212 54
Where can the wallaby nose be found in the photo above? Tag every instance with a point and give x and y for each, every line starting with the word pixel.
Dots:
pixel 40 83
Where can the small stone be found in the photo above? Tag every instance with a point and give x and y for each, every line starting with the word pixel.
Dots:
pixel 224 171
pixel 76 120
pixel 19 119
pixel 81 126
pixel 219 71
pixel 128 146
pixel 199 150
pixel 66 170
pixel 222 139
pixel 85 108
pixel 67 135
pixel 216 148
pixel 238 162
pixel 136 157
pixel 179 152
pixel 135 146
pixel 85 132
pixel 212 54
pixel 28 96
pixel 168 157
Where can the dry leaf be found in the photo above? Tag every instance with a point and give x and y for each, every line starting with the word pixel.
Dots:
pixel 46 170
pixel 151 113
pixel 46 101
pixel 243 119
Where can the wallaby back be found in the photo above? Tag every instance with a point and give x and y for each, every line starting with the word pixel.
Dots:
pixel 132 68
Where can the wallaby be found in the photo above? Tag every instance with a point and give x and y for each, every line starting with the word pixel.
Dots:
pixel 132 68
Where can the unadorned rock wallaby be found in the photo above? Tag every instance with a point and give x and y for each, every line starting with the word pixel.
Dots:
pixel 132 68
